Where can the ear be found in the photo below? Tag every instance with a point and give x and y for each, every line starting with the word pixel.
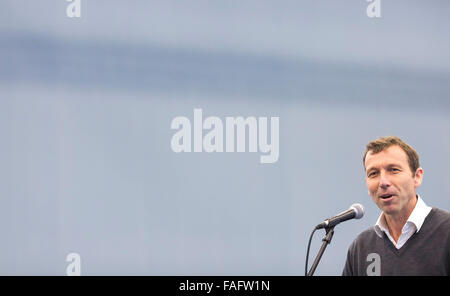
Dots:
pixel 418 177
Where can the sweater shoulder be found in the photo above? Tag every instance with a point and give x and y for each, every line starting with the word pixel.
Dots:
pixel 438 220
pixel 368 233
pixel 365 237
pixel 441 215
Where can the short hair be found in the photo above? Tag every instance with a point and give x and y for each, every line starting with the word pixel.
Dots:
pixel 383 143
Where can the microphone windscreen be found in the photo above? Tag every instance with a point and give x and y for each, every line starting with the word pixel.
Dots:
pixel 359 209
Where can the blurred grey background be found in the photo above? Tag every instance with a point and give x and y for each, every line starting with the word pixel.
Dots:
pixel 86 105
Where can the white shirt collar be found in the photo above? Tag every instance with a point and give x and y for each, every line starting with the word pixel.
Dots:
pixel 417 217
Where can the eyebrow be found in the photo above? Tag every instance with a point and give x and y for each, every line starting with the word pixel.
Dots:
pixel 388 166
pixel 394 165
pixel 371 170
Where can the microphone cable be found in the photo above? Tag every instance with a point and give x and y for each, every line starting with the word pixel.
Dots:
pixel 307 251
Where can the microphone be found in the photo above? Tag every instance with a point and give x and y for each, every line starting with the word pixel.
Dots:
pixel 356 211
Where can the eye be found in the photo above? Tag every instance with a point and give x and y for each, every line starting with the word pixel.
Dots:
pixel 372 174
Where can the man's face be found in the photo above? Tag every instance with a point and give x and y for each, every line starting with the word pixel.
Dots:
pixel 390 182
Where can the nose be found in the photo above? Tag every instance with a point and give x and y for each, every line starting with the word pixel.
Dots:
pixel 384 181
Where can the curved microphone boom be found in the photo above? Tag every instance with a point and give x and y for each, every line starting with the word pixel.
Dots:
pixel 356 211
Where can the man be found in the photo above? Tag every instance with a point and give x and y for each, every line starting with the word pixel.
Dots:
pixel 409 238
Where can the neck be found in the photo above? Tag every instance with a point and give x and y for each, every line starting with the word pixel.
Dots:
pixel 395 222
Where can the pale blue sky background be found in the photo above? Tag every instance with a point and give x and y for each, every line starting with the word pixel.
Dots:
pixel 86 106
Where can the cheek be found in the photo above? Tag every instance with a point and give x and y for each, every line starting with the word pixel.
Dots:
pixel 403 182
pixel 371 187
pixel 410 186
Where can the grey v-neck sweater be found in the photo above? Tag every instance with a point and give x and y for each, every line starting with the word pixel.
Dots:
pixel 427 252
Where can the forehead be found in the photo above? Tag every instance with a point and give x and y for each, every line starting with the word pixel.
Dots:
pixel 389 156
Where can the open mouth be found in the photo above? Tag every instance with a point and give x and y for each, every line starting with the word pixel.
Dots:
pixel 386 196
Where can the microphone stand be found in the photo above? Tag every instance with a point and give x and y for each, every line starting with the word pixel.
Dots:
pixel 326 240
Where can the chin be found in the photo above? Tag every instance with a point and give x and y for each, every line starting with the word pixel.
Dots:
pixel 389 210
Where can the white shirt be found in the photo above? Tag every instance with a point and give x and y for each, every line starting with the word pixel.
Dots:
pixel 412 225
